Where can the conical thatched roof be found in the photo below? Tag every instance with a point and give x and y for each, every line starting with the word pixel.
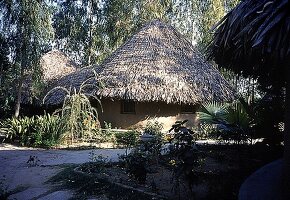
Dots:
pixel 159 64
pixel 55 65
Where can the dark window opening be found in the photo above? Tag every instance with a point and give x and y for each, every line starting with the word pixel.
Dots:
pixel 188 109
pixel 128 107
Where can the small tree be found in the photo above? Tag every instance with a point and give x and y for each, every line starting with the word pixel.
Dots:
pixel 27 25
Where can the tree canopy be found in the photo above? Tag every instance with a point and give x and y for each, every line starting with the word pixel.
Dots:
pixel 27 27
pixel 90 30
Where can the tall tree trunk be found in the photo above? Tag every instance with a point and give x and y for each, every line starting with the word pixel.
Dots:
pixel 90 31
pixel 19 94
pixel 286 158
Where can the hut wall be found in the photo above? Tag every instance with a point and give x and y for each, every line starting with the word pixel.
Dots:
pixel 144 111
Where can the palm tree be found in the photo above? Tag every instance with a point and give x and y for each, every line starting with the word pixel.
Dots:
pixel 254 39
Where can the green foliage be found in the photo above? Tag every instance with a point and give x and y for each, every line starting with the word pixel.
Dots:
pixel 232 120
pixel 28 28
pixel 43 131
pixel 247 87
pixel 213 113
pixel 107 133
pixel 6 78
pixel 184 155
pixel 146 151
pixel 128 139
pixel 21 129
pixel 79 30
pixel 207 14
pixel 94 157
pixel 49 130
pixel 181 135
pixel 204 131
pixel 153 128
pixel 268 116
pixel 136 165
pixel 238 115
pixel 78 116
pixel 89 31
pixel 97 163
pixel 210 13
pixel 240 121
pixel 152 146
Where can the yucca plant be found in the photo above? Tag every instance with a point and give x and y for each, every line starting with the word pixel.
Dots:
pixel 9 128
pixel 33 131
pixel 78 116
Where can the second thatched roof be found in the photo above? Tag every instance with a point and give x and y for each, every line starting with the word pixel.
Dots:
pixel 157 64
pixel 54 65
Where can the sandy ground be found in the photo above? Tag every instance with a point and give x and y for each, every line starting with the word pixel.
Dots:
pixel 17 174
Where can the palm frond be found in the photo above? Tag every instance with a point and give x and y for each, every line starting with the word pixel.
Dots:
pixel 212 112
pixel 253 38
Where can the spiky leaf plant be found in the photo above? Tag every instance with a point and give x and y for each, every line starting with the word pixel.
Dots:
pixel 231 120
pixel 78 115
pixel 213 112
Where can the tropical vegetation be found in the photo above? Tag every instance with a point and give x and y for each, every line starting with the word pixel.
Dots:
pixel 250 47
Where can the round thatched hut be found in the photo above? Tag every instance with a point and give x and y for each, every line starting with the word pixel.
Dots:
pixel 156 74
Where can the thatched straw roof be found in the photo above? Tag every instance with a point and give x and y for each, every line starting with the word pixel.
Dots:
pixel 158 64
pixel 254 39
pixel 55 65
pixel 71 82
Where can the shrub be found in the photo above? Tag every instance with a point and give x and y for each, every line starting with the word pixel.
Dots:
pixel 153 146
pixel 18 128
pixel 184 155
pixel 231 120
pixel 205 131
pixel 49 130
pixel 136 165
pixel 127 139
pixel 42 131
pixel 108 133
pixel 153 128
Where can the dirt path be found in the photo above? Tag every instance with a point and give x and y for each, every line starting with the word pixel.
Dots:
pixel 28 182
